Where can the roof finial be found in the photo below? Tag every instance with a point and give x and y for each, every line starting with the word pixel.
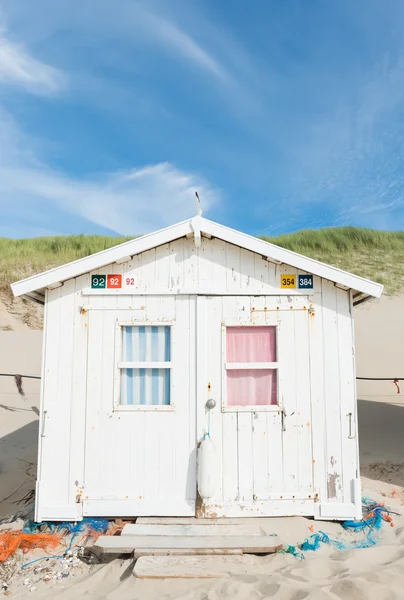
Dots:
pixel 198 205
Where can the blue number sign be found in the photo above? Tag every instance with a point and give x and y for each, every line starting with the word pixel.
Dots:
pixel 305 282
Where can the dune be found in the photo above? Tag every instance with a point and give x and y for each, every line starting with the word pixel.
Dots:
pixel 374 573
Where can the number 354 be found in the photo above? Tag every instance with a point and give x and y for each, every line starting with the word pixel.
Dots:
pixel 288 281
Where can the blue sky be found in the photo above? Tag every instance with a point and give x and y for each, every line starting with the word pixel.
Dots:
pixel 283 115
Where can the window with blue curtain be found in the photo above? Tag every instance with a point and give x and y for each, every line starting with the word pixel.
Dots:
pixel 148 385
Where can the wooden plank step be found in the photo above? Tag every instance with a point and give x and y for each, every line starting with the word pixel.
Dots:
pixel 143 529
pixel 128 543
pixel 194 521
pixel 187 552
pixel 189 567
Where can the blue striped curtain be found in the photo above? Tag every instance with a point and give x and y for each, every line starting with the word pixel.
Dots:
pixel 145 386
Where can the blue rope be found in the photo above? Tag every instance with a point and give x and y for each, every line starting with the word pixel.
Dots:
pixel 53 555
pixel 99 525
pixel 207 433
pixel 371 522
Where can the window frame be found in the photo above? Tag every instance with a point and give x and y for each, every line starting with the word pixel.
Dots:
pixel 119 364
pixel 246 366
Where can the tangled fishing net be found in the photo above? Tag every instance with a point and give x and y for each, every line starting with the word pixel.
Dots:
pixel 375 514
pixel 12 540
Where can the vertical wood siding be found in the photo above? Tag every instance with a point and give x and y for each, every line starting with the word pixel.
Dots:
pixel 256 459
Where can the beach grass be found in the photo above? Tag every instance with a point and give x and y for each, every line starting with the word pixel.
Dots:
pixel 377 255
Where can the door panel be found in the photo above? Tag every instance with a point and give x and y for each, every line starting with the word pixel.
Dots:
pixel 264 452
pixel 140 461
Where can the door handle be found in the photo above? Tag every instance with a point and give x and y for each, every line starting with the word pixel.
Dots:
pixel 350 436
pixel 43 423
pixel 283 417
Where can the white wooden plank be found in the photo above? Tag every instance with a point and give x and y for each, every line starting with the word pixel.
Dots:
pixel 317 395
pixel 219 269
pixel 190 264
pixel 92 475
pixel 245 456
pixel 272 507
pixel 243 315
pixel 332 393
pixel 230 457
pixel 49 422
pixel 261 273
pixel 192 567
pixel 111 481
pixel 134 269
pixel 148 269
pixel 348 400
pixel 57 404
pixel 288 397
pixel 79 393
pixel 232 267
pixel 190 521
pixel 188 552
pixel 260 456
pixel 275 452
pixel 162 272
pixel 247 268
pixel 177 263
pixel 153 426
pixel 127 543
pixel 189 385
pixel 212 386
pixel 194 530
pixel 303 403
pixel 205 264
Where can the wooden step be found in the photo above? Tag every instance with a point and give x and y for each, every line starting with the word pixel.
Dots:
pixel 144 529
pixel 186 552
pixel 194 521
pixel 128 543
pixel 189 567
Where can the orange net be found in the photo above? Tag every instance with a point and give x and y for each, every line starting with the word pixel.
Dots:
pixel 11 540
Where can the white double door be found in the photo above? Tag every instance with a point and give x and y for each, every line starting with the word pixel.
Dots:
pixel 141 460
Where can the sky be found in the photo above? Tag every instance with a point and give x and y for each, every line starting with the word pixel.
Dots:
pixel 282 115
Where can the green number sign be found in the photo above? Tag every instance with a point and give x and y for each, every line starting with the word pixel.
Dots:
pixel 98 282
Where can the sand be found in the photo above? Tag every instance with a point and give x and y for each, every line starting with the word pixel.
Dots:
pixel 375 573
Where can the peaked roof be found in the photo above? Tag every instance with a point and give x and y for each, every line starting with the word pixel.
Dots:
pixel 33 286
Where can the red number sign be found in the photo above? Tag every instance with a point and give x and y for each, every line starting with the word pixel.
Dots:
pixel 129 282
pixel 114 281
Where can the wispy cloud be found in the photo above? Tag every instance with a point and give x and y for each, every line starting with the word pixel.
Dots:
pixel 165 32
pixel 134 201
pixel 18 68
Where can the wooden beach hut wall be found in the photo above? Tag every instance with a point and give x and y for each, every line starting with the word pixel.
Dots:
pixel 198 371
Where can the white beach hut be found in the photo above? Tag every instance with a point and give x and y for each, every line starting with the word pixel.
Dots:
pixel 198 344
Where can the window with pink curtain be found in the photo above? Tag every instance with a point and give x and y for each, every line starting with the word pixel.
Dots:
pixel 255 385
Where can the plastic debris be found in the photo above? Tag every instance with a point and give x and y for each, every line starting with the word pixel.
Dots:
pixel 11 540
pixel 374 516
pixel 293 551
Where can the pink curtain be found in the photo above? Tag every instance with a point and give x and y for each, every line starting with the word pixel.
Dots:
pixel 251 344
pixel 251 387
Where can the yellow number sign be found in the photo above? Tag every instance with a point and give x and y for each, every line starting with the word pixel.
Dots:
pixel 288 281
